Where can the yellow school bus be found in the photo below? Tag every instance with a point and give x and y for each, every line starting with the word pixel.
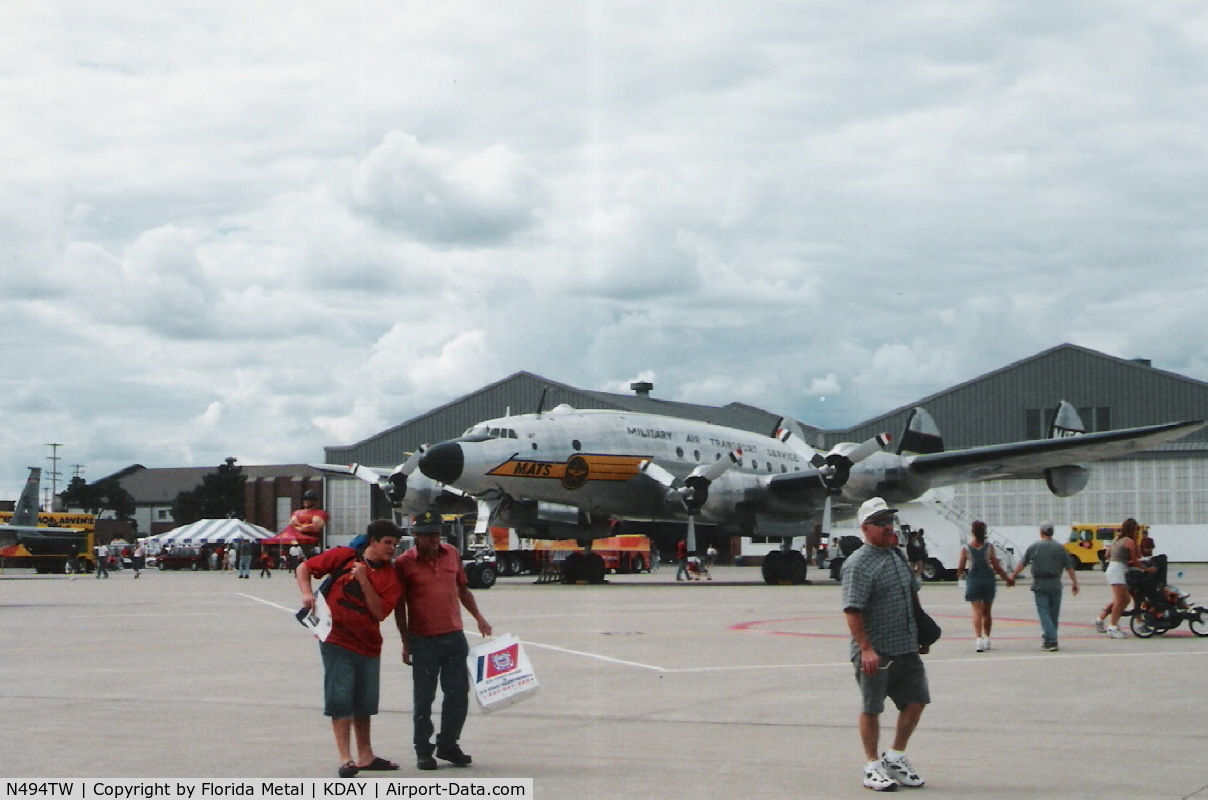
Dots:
pixel 1088 542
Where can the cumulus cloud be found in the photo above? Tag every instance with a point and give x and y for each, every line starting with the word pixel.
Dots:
pixel 270 233
pixel 484 198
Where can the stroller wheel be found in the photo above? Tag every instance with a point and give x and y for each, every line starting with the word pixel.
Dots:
pixel 1143 624
pixel 1199 623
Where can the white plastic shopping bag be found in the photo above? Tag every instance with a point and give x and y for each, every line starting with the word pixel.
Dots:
pixel 317 620
pixel 501 673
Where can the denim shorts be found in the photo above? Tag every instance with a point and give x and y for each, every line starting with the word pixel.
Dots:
pixel 903 679
pixel 350 682
pixel 980 591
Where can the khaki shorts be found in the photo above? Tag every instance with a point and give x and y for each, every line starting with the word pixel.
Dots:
pixel 903 679
pixel 1117 573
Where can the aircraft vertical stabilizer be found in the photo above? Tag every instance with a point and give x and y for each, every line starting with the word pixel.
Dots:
pixel 921 435
pixel 26 512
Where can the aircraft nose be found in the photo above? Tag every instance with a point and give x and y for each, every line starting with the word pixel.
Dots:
pixel 443 462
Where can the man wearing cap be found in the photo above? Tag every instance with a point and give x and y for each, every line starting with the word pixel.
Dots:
pixel 877 603
pixel 434 588
pixel 363 591
pixel 1048 558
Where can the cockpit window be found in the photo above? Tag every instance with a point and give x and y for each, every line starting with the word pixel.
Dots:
pixel 487 432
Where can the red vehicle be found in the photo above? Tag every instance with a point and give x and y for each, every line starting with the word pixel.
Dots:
pixel 181 558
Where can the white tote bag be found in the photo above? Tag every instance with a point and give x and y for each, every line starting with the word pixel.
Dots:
pixel 501 673
pixel 318 620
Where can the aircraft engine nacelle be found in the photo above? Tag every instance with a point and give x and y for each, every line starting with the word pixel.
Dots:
pixel 883 475
pixel 1067 481
pixel 541 520
pixel 726 494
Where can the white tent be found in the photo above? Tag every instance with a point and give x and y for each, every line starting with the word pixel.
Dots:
pixel 211 531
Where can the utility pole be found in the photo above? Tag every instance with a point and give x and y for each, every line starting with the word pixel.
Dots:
pixel 53 458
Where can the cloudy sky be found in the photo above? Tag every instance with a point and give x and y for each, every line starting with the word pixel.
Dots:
pixel 254 228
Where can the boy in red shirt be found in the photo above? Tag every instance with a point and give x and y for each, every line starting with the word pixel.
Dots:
pixel 434 644
pixel 363 592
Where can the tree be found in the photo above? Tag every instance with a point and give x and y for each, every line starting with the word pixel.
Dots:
pixel 218 496
pixel 96 498
pixel 78 494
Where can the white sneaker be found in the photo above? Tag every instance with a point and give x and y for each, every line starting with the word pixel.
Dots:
pixel 877 779
pixel 900 770
pixel 986 642
pixel 1115 633
pixel 1099 626
pixel 981 645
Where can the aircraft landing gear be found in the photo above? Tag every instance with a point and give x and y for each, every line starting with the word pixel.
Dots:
pixel 783 567
pixel 481 576
pixel 583 568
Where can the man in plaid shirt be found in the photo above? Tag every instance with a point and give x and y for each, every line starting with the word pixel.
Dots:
pixel 877 586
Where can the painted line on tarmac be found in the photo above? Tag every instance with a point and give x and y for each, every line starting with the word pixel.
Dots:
pixel 997 657
pixel 597 656
pixel 266 602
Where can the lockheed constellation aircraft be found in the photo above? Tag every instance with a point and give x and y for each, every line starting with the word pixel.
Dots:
pixel 579 474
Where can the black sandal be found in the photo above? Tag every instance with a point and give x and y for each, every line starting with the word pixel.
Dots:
pixel 348 769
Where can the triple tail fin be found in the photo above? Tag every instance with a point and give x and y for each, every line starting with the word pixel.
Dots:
pixel 921 435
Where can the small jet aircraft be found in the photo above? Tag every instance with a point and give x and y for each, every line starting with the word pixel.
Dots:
pixel 23 527
pixel 579 474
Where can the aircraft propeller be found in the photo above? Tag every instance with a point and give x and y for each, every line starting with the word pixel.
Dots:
pixel 695 491
pixel 394 484
pixel 835 467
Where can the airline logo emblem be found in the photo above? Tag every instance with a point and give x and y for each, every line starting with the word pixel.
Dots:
pixel 576 471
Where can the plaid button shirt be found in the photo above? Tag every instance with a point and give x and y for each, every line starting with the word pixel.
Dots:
pixel 877 582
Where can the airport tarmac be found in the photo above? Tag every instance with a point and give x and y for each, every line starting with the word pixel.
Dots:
pixel 649 688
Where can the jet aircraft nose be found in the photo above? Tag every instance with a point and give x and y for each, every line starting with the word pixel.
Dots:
pixel 443 462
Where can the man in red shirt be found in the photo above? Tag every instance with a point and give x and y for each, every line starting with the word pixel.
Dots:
pixel 363 592
pixel 434 644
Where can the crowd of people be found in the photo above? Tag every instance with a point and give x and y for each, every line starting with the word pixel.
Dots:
pixel 425 589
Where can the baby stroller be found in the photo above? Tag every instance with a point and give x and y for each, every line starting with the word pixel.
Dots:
pixel 1160 607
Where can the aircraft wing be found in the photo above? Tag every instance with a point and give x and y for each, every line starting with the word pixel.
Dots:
pixel 799 488
pixel 8 536
pixel 1031 459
